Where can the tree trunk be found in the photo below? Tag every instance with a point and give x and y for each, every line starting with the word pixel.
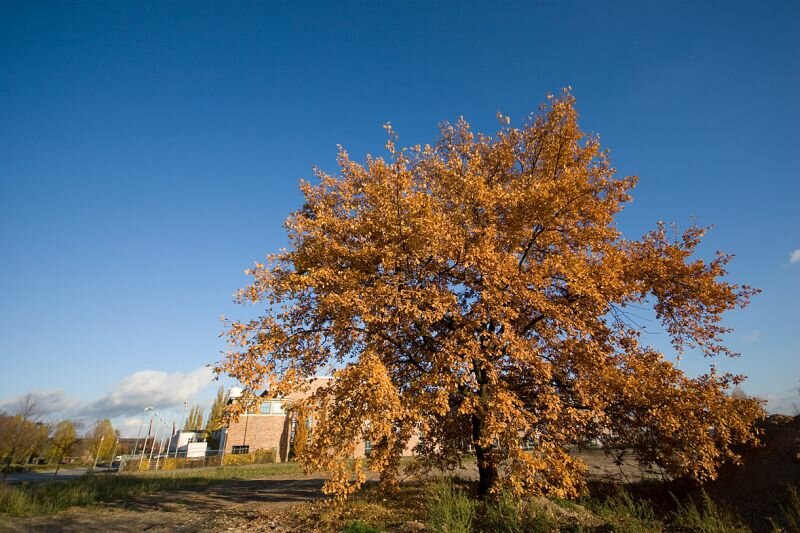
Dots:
pixel 487 469
pixel 58 464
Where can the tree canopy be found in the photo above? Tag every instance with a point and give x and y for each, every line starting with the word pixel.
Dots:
pixel 477 293
pixel 194 421
pixel 102 439
pixel 216 417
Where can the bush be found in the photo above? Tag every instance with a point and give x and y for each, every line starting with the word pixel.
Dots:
pixel 256 457
pixel 450 510
pixel 710 519
pixel 136 465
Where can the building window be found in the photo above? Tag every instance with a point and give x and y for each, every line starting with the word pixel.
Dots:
pixel 277 408
pixel 367 448
pixel 237 450
pixel 265 408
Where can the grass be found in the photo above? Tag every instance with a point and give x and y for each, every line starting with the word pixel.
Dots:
pixel 507 514
pixel 706 518
pixel 225 472
pixel 791 512
pixel 450 509
pixel 626 514
pixel 52 496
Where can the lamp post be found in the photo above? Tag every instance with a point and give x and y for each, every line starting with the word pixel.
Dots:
pixel 144 448
pixel 155 438
pixel 183 423
pixel 139 433
pixel 96 455
pixel 161 443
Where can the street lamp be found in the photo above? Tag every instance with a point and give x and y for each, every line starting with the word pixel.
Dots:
pixel 144 448
pixel 139 433
pixel 183 423
pixel 161 443
pixel 155 438
pixel 99 447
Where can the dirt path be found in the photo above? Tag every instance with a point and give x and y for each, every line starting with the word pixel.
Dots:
pixel 235 505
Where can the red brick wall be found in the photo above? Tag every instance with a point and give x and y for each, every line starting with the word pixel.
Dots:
pixel 263 432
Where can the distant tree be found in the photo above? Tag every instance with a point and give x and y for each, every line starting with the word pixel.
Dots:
pixel 738 393
pixel 195 419
pixel 21 435
pixel 64 439
pixel 217 413
pixel 101 440
pixel 300 441
pixel 479 289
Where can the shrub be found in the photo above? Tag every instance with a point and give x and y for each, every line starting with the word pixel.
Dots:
pixel 256 457
pixel 450 510
pixel 264 456
pixel 136 465
pixel 710 519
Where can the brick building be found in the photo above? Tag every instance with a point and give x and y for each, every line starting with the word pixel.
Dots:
pixel 270 427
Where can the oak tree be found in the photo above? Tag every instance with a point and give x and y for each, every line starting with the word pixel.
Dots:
pixel 477 294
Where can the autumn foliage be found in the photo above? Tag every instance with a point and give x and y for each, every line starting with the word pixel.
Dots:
pixel 477 293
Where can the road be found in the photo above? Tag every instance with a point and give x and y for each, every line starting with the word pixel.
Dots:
pixel 47 475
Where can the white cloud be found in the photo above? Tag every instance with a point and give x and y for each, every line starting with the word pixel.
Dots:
pixel 753 336
pixel 149 388
pixel 794 257
pixel 125 402
pixel 129 427
pixel 48 402
pixel 787 403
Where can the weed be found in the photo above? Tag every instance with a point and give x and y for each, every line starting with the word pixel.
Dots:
pixel 508 514
pixel 625 514
pixel 791 513
pixel 450 510
pixel 710 518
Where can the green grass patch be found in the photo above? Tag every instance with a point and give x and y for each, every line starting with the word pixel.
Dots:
pixel 53 496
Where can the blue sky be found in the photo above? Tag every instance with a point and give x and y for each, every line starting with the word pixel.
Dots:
pixel 149 152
